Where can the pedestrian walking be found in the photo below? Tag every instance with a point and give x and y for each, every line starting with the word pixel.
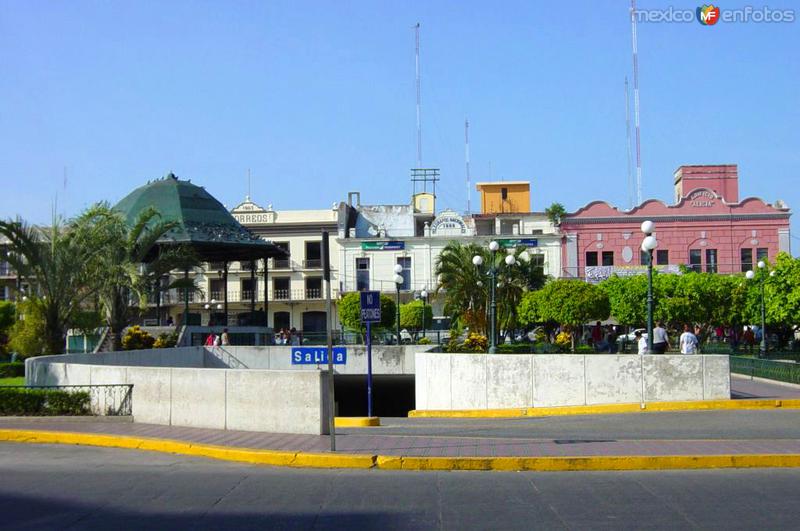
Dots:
pixel 210 340
pixel 225 339
pixel 641 342
pixel 688 341
pixel 660 339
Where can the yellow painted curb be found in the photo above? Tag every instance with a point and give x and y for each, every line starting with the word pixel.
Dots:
pixel 363 461
pixel 589 463
pixel 356 422
pixel 607 409
pixel 225 453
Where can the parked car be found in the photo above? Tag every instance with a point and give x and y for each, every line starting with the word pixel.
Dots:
pixel 630 337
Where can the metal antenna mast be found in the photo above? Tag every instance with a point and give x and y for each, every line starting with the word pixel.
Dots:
pixel 636 104
pixel 419 102
pixel 466 150
pixel 248 184
pixel 631 187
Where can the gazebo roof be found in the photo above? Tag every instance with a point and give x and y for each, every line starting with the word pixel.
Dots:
pixel 205 224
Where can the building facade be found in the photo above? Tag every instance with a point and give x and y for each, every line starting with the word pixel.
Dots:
pixel 708 228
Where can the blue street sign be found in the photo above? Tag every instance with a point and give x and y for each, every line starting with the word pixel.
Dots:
pixel 370 307
pixel 318 355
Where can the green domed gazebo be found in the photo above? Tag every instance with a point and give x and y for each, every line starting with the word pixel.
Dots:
pixel 205 225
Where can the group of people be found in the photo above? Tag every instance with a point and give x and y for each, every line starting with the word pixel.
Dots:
pixel 687 342
pixel 214 340
pixel 288 337
pixel 603 339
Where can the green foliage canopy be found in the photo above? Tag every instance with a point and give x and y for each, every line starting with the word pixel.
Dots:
pixel 349 310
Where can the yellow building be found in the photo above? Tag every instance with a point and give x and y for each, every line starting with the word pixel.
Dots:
pixel 505 197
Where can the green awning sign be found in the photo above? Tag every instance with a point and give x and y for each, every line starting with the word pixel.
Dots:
pixel 518 242
pixel 383 246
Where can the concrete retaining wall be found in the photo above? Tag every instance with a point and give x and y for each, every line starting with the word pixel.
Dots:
pixel 501 381
pixel 258 400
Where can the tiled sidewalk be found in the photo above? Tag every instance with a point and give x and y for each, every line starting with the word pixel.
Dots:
pixel 375 443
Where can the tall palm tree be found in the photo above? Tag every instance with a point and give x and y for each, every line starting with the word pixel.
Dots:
pixel 125 272
pixel 54 260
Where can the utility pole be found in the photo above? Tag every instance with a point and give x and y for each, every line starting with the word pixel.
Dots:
pixel 326 275
pixel 419 99
pixel 636 103
pixel 631 186
pixel 466 151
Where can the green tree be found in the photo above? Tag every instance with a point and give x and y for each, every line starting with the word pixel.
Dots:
pixel 627 297
pixel 124 273
pixel 8 315
pixel 28 334
pixel 55 261
pixel 349 310
pixel 568 302
pixel 465 292
pixel 555 213
pixel 782 291
pixel 411 315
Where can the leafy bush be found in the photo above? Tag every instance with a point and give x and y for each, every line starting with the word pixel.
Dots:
pixel 563 341
pixel 27 335
pixel 584 349
pixel 424 341
pixel 411 315
pixel 515 348
pixel 349 309
pixel 136 339
pixel 475 343
pixel 166 340
pixel 16 401
pixel 12 370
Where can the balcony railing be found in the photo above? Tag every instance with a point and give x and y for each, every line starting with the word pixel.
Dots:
pixel 314 263
pixel 281 263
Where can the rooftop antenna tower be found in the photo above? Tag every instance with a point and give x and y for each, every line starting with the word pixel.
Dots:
pixel 631 186
pixel 636 104
pixel 248 184
pixel 466 152
pixel 419 99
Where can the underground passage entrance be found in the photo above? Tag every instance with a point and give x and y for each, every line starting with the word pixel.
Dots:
pixel 392 395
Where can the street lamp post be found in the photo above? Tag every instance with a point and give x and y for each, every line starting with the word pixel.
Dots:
pixel 648 246
pixel 762 347
pixel 398 281
pixel 477 260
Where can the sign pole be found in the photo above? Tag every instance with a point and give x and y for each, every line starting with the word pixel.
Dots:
pixel 369 368
pixel 326 273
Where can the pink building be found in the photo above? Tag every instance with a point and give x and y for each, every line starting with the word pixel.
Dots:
pixel 707 228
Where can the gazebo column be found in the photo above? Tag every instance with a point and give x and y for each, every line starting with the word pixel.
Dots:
pixel 253 289
pixel 186 297
pixel 225 291
pixel 266 293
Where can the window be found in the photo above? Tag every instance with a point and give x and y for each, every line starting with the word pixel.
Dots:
pixel 314 288
pixel 695 259
pixel 591 258
pixel 214 267
pixel 280 288
pixel 762 253
pixel 643 257
pixel 3 293
pixel 247 288
pixel 504 193
pixel 537 263
pixel 747 259
pixel 608 258
pixel 662 257
pixel 217 287
pixel 246 265
pixel 362 274
pixel 405 263
pixel 711 260
pixel 281 263
pixel 313 255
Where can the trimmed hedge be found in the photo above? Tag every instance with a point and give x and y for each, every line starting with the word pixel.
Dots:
pixel 12 370
pixel 42 402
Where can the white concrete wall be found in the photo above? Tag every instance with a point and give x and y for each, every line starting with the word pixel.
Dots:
pixel 260 400
pixel 497 381
pixel 386 359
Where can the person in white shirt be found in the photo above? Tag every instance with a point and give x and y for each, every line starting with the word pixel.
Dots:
pixel 688 341
pixel 641 342
pixel 660 339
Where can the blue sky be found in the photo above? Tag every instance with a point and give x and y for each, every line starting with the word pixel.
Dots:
pixel 317 99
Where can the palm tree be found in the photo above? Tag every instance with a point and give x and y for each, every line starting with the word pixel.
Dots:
pixel 55 261
pixel 465 289
pixel 128 267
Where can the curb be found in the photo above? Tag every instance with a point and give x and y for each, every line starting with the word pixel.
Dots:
pixel 356 422
pixel 610 409
pixel 365 461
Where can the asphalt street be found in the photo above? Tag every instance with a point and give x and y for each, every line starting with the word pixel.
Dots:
pixel 67 487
